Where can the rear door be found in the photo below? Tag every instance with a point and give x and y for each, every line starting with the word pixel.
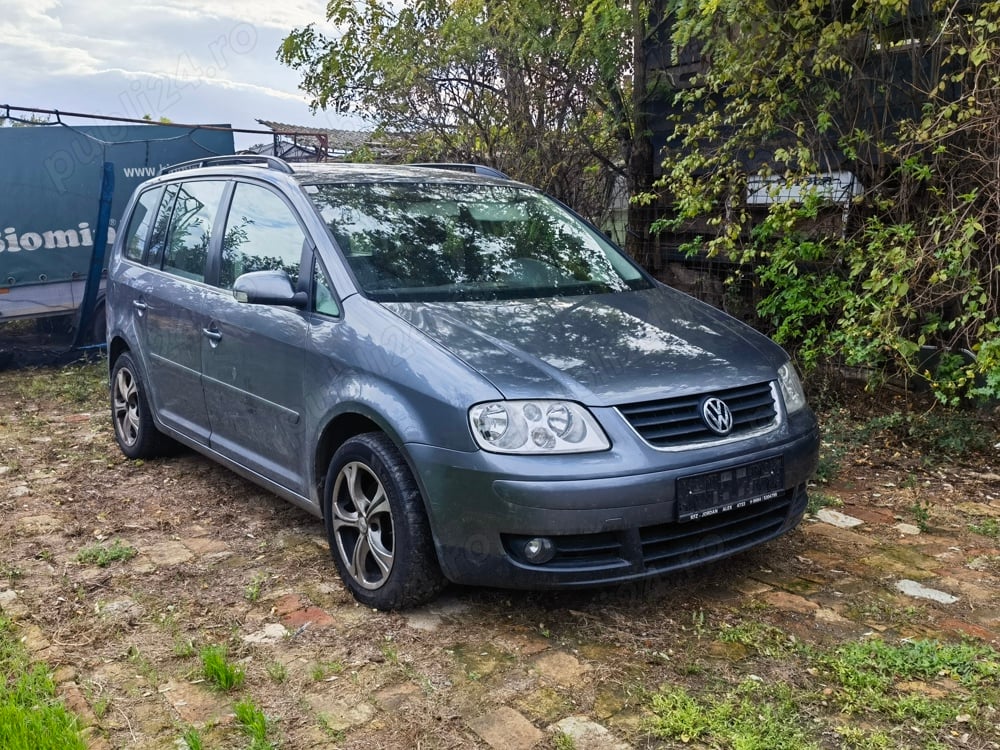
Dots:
pixel 174 301
pixel 252 354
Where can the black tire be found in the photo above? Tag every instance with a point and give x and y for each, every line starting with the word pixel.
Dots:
pixel 135 431
pixel 378 531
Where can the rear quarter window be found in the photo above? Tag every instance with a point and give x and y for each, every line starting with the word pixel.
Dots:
pixel 140 224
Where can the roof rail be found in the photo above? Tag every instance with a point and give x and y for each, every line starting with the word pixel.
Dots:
pixel 459 167
pixel 271 162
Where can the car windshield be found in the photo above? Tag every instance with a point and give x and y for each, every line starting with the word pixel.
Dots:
pixel 453 241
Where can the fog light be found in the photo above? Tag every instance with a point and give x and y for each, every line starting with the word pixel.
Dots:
pixel 539 550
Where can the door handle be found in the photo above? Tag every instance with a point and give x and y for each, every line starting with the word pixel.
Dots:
pixel 215 336
pixel 138 305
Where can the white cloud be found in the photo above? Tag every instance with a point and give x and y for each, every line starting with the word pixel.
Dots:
pixel 265 13
pixel 188 60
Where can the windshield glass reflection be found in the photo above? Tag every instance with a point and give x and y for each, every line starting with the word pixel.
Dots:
pixel 419 242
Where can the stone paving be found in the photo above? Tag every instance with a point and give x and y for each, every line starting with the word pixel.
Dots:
pixel 839 557
pixel 477 668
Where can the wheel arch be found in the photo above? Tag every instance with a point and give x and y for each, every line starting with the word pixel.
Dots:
pixel 116 347
pixel 339 430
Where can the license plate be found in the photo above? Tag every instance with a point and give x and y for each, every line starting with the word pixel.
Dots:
pixel 705 495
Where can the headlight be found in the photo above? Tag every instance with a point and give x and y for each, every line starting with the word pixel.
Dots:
pixel 791 388
pixel 536 427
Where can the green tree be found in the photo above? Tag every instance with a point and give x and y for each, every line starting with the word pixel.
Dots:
pixel 903 95
pixel 536 88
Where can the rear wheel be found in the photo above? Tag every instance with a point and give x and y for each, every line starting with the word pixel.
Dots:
pixel 135 431
pixel 378 531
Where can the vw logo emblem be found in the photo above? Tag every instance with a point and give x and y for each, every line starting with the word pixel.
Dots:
pixel 716 415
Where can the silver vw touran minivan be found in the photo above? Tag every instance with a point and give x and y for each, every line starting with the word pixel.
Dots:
pixel 462 378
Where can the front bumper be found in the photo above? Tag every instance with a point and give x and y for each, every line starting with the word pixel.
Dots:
pixel 606 526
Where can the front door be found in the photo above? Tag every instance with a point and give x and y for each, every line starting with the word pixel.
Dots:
pixel 252 355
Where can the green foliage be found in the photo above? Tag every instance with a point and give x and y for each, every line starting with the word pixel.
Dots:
pixel 988 527
pixel 254 723
pixel 921 514
pixel 102 555
pixel 820 500
pixel 534 88
pixel 799 89
pixel 84 383
pixel 277 671
pixel 218 671
pixel 255 587
pixel 192 739
pixel 751 717
pixel 31 717
pixel 184 647
pixel 889 686
pixel 325 669
pixel 939 434
pixel 867 674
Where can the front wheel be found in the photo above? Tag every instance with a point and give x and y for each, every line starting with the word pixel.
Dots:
pixel 379 535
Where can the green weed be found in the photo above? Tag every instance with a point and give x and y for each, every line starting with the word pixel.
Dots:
pixel 921 510
pixel 750 717
pixel 277 671
pixel 192 739
pixel 989 527
pixel 11 572
pixel 861 739
pixel 143 666
pixel 218 671
pixel 896 691
pixel 885 611
pixel 102 555
pixel 940 434
pixel 868 675
pixel 101 706
pixel 325 669
pixel 759 637
pixel 839 438
pixel 83 383
pixel 335 735
pixel 389 653
pixel 254 588
pixel 31 717
pixel 254 723
pixel 818 500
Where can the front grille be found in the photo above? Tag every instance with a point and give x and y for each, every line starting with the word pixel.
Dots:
pixel 671 546
pixel 675 422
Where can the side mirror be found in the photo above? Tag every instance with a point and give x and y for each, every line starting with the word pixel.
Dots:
pixel 268 288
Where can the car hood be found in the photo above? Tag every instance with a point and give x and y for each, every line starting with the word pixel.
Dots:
pixel 601 350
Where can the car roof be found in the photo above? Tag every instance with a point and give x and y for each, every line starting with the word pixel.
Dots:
pixel 331 173
pixel 312 173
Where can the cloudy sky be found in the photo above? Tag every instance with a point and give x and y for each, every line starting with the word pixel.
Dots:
pixel 192 61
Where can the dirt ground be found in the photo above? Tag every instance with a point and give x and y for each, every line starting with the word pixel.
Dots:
pixel 221 562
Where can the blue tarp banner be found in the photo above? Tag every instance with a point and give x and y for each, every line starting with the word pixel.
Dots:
pixel 50 186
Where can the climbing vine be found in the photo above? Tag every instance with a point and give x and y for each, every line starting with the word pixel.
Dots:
pixel 897 102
